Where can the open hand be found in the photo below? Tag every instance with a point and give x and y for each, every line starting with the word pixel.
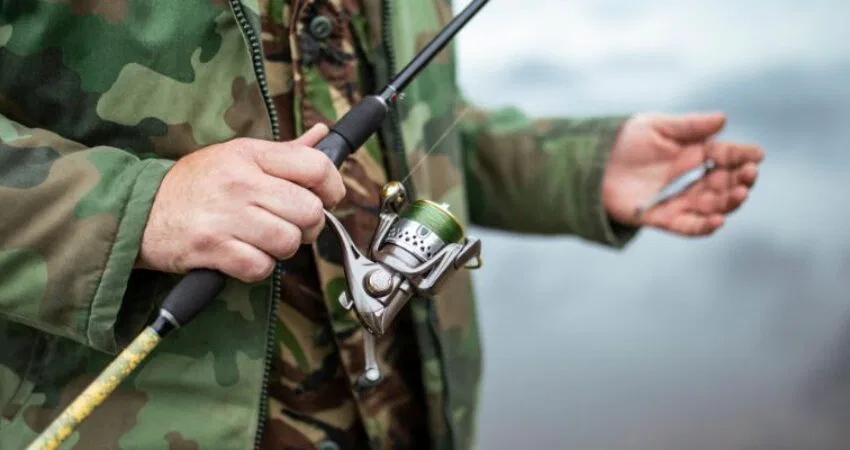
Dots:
pixel 652 150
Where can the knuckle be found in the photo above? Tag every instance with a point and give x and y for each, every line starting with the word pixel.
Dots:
pixel 204 240
pixel 328 166
pixel 648 116
pixel 241 143
pixel 255 269
pixel 245 146
pixel 314 211
pixel 236 184
pixel 321 167
pixel 311 234
pixel 288 243
pixel 339 194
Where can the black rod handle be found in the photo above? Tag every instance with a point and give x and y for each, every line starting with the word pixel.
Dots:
pixel 192 294
pixel 354 129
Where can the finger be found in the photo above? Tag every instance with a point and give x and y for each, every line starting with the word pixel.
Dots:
pixel 306 167
pixel 692 127
pixel 679 216
pixel 269 233
pixel 726 154
pixel 709 202
pixel 719 180
pixel 290 202
pixel 312 136
pixel 242 261
pixel 735 199
pixel 309 235
pixel 747 174
pixel 723 180
pixel 696 225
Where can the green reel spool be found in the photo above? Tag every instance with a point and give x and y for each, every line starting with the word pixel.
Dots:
pixel 436 218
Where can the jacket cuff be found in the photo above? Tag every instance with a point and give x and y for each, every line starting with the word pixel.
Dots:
pixel 594 223
pixel 102 329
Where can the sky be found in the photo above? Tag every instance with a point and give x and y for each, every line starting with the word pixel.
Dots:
pixel 737 341
pixel 618 54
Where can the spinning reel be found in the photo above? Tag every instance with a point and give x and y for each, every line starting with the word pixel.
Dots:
pixel 416 248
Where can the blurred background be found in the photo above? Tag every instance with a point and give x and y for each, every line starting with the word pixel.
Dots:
pixel 738 341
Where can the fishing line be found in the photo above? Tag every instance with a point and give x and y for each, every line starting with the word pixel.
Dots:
pixel 436 144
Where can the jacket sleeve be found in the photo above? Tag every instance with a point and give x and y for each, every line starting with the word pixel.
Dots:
pixel 540 176
pixel 70 231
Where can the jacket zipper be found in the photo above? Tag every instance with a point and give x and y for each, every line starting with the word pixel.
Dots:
pixel 260 72
pixel 400 159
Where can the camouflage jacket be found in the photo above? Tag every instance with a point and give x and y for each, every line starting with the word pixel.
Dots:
pixel 97 99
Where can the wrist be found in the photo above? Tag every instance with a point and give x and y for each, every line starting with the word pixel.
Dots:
pixel 615 204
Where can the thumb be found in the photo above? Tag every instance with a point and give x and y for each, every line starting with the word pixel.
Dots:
pixel 691 127
pixel 313 136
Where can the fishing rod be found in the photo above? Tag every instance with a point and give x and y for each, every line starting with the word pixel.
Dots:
pixel 378 289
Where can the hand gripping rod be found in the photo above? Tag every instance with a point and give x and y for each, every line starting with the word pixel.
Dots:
pixel 200 286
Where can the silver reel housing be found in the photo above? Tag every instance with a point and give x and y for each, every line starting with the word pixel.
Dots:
pixel 415 249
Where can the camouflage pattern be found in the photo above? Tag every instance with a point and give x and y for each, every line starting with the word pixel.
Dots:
pixel 317 375
pixel 98 391
pixel 97 99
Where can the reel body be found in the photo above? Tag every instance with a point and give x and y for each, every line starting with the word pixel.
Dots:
pixel 416 248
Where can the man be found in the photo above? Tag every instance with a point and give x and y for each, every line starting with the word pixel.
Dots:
pixel 98 101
